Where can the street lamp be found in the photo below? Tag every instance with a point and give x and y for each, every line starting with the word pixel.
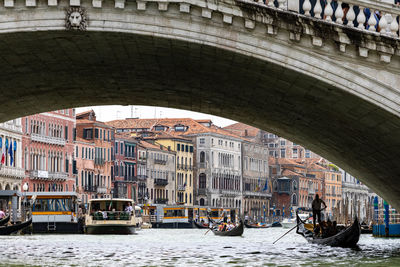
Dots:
pixel 25 188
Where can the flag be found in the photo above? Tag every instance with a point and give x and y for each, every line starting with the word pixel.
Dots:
pixel 3 152
pixel 10 151
pixel 15 146
pixel 266 185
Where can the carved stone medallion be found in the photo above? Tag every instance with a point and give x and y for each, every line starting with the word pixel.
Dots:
pixel 76 19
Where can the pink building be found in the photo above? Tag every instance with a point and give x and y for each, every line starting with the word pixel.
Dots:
pixel 48 146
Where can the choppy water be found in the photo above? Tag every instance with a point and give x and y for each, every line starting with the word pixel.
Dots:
pixel 190 247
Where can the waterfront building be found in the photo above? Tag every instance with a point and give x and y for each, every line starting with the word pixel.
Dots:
pixel 184 165
pixel 125 167
pixel 11 171
pixel 257 185
pixel 48 147
pixel 95 182
pixel 333 189
pixel 217 175
pixel 280 147
pixel 160 186
pixel 143 194
pixel 356 199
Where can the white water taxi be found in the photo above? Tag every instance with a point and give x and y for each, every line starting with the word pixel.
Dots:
pixel 111 216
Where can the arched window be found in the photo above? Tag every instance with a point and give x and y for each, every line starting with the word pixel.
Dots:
pixel 202 202
pixel 294 200
pixel 202 156
pixel 202 181
pixel 294 185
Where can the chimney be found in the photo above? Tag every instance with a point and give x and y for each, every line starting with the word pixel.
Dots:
pixel 245 132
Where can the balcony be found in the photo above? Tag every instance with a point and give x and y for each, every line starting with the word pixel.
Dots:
pixel 14 172
pixel 181 187
pixel 202 191
pixel 48 175
pixel 102 190
pixel 99 161
pixel 160 161
pixel 161 200
pixel 48 139
pixel 311 191
pixel 131 157
pixel 142 160
pixel 89 188
pixel 142 177
pixel 256 194
pixel 202 165
pixel 161 182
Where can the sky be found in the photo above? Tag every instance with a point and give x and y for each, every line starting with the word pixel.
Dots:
pixel 108 113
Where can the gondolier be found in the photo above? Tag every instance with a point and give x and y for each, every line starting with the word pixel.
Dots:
pixel 316 206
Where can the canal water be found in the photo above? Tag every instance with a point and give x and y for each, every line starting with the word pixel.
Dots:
pixel 191 247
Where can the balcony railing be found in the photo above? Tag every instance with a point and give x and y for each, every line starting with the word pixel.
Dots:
pixel 90 188
pixel 48 139
pixel 201 191
pixel 162 182
pixel 257 194
pixel 202 165
pixel 311 191
pixel 132 157
pixel 160 161
pixel 181 187
pixel 48 175
pixel 10 171
pixel 99 161
pixel 102 190
pixel 161 200
pixel 142 177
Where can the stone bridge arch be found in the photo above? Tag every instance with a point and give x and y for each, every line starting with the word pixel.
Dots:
pixel 328 87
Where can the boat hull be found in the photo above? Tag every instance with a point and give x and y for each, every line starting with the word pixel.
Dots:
pixel 346 238
pixel 200 226
pixel 110 229
pixel 7 230
pixel 256 226
pixel 60 228
pixel 288 225
pixel 173 225
pixel 237 231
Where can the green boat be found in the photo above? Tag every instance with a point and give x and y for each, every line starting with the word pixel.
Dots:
pixel 111 216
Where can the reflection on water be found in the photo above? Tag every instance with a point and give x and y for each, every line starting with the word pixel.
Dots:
pixel 191 247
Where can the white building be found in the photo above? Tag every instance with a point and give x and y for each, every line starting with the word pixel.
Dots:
pixel 219 170
pixel 356 200
pixel 11 172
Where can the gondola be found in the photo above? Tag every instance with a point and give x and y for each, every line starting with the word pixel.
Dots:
pixel 9 229
pixel 4 220
pixel 200 225
pixel 276 224
pixel 237 231
pixel 345 238
pixel 256 226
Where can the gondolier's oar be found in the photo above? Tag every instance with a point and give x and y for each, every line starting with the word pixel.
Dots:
pixel 294 227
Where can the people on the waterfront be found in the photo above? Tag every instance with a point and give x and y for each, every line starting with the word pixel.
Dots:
pixel 129 207
pixel 2 214
pixel 316 206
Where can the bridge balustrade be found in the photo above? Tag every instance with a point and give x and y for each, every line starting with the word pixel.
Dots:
pixel 384 18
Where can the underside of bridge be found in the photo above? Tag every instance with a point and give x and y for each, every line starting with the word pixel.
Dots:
pixel 42 71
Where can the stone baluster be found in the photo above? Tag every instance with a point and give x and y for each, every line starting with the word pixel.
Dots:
pixel 271 3
pixel 383 24
pixel 394 26
pixel 339 13
pixel 328 12
pixel 281 4
pixel 350 16
pixel 307 7
pixel 317 9
pixel 361 18
pixel 372 21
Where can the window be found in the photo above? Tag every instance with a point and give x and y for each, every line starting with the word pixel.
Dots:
pixel 66 132
pixel 283 153
pixel 191 149
pixel 96 133
pixel 178 147
pixel 159 128
pixel 76 151
pixel 88 133
pixel 122 148
pixel 202 141
pixel 116 147
pixel 186 148
pixel 283 142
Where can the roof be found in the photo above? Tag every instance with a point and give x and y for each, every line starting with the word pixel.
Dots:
pixel 149 145
pixel 288 172
pixel 193 126
pixel 242 129
pixel 84 112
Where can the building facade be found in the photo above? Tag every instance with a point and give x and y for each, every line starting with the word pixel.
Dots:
pixel 256 183
pixel 96 182
pixel 48 151
pixel 11 171
pixel 184 166
pixel 125 182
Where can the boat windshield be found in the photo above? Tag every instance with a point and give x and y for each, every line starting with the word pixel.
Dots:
pixel 109 205
pixel 52 204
